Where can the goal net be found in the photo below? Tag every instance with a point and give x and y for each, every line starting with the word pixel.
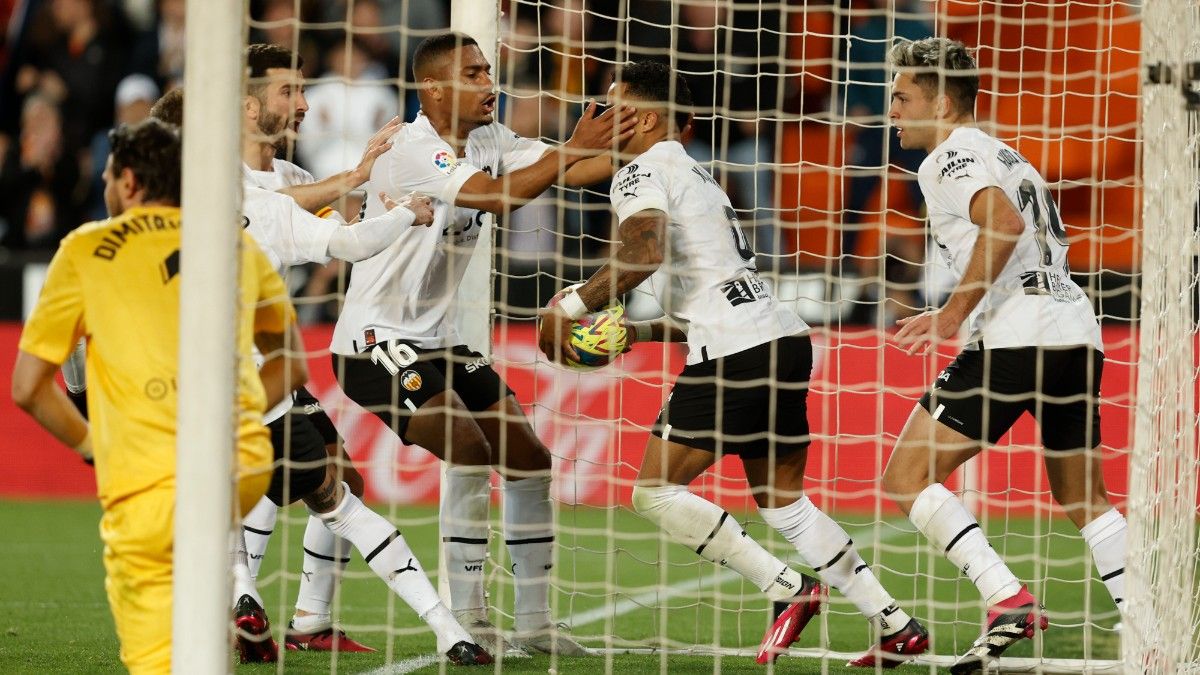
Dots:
pixel 791 119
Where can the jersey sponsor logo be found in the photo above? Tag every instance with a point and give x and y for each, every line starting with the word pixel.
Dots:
pixel 627 183
pixel 744 289
pixel 956 167
pixel 411 380
pixel 445 162
pixel 704 176
pixel 478 364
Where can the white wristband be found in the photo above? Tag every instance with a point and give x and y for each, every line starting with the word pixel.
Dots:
pixel 643 332
pixel 573 305
pixel 84 448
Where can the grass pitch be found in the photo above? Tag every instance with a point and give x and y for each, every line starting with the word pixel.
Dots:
pixel 631 591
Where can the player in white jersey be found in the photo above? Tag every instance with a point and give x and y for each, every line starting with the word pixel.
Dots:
pixel 744 390
pixel 289 236
pixel 397 353
pixel 1033 342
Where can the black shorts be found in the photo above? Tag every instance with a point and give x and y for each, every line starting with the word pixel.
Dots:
pixel 983 392
pixel 394 379
pixel 745 404
pixel 309 405
pixel 300 455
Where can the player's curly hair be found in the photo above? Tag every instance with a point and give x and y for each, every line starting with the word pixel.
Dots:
pixel 654 81
pixel 151 149
pixel 261 57
pixel 940 64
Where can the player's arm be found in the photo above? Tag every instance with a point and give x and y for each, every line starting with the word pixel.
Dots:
pixel 367 238
pixel 284 370
pixel 640 253
pixel 590 171
pixel 592 136
pixel 35 391
pixel 313 197
pixel 658 330
pixel 1000 225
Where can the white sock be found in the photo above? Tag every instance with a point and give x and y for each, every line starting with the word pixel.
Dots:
pixel 1106 537
pixel 449 632
pixel 709 531
pixel 529 534
pixel 951 528
pixel 464 525
pixel 384 549
pixel 259 524
pixel 826 546
pixel 243 582
pixel 325 558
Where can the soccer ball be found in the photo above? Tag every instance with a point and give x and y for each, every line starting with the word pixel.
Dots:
pixel 599 337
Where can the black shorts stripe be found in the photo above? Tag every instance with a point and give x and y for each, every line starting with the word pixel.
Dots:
pixel 265 533
pixel 1110 575
pixel 960 535
pixel 715 530
pixel 836 557
pixel 318 556
pixel 463 540
pixel 379 549
pixel 534 540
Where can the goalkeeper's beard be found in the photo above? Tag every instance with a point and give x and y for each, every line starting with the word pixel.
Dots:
pixel 274 129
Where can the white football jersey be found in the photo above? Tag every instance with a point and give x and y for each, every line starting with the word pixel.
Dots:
pixel 286 233
pixel 1033 301
pixel 283 174
pixel 407 291
pixel 708 282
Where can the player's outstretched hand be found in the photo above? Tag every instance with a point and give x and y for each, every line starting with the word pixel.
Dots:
pixel 918 334
pixel 554 336
pixel 380 143
pixel 420 205
pixel 594 134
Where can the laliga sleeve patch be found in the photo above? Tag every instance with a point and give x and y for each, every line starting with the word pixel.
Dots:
pixel 445 162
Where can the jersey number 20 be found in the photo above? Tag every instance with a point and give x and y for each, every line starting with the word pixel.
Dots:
pixel 1045 217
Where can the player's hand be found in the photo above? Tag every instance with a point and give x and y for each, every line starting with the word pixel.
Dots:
pixel 380 143
pixel 554 336
pixel 420 205
pixel 631 337
pixel 918 334
pixel 593 135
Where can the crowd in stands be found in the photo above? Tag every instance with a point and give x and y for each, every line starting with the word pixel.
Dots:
pixel 811 195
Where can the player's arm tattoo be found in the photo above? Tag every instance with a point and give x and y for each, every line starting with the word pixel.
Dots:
pixel 640 254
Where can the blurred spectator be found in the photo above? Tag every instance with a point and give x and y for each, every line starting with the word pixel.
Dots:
pixel 873 146
pixel 276 22
pixel 135 94
pixel 39 181
pixel 78 51
pixel 344 113
pixel 170 43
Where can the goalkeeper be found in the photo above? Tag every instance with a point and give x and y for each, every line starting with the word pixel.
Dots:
pixel 115 282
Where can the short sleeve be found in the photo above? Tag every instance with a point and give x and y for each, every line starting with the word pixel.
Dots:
pixel 274 312
pixel 56 323
pixel 426 165
pixel 287 233
pixel 958 174
pixel 520 152
pixel 638 187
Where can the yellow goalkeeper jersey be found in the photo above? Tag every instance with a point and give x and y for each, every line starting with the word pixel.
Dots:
pixel 116 282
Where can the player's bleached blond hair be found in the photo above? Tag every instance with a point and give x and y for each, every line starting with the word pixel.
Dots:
pixel 940 65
